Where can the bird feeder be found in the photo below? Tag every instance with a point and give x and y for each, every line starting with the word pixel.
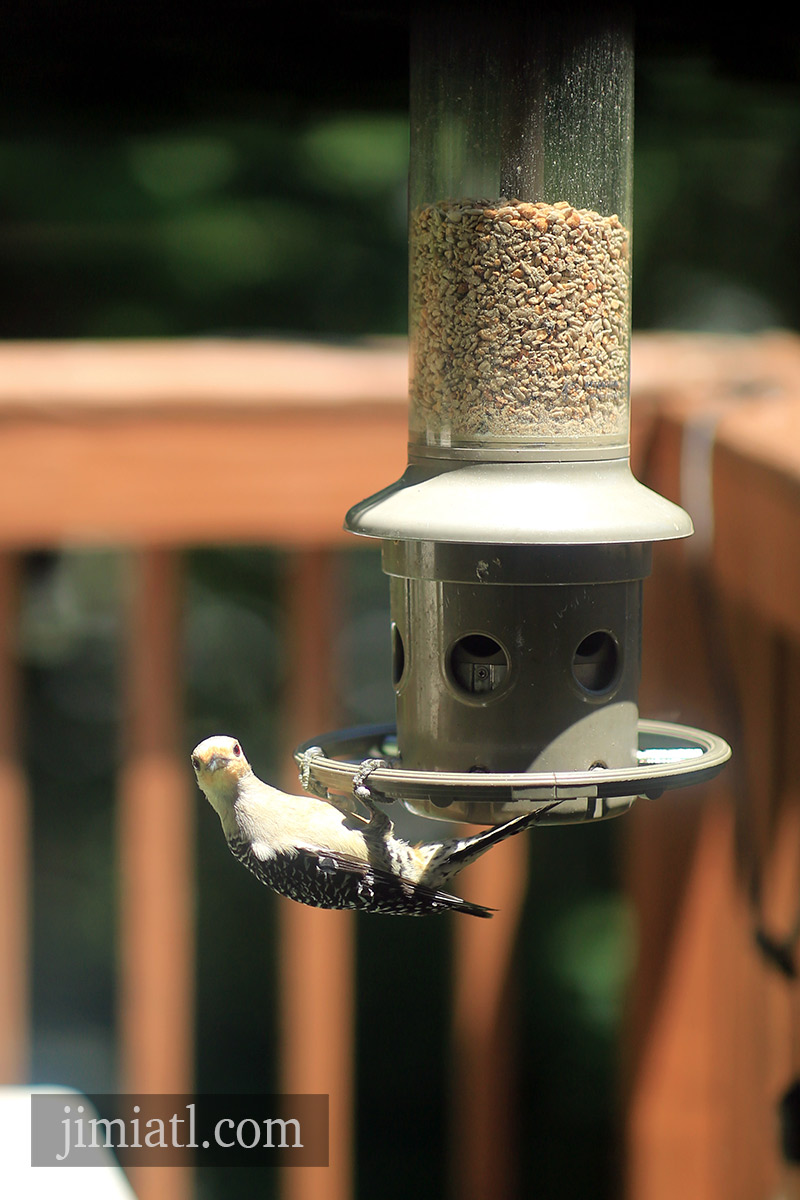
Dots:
pixel 517 540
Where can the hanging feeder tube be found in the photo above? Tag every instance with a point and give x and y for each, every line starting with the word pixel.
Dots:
pixel 518 539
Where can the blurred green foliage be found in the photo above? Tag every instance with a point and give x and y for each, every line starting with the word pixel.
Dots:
pixel 716 180
pixel 169 192
pixel 239 227
pixel 165 173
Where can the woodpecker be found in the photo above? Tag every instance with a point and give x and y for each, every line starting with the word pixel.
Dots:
pixel 333 857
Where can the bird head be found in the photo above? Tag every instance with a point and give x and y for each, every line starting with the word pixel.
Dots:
pixel 219 764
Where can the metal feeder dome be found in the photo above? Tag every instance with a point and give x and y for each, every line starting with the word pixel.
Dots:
pixel 517 539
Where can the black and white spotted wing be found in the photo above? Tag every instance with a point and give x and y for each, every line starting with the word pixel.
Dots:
pixel 328 880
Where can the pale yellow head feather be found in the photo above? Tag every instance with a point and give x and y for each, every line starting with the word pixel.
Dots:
pixel 220 764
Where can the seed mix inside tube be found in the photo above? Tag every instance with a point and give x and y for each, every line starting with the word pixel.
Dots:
pixel 519 321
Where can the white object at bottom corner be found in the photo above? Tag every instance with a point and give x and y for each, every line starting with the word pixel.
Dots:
pixel 20 1181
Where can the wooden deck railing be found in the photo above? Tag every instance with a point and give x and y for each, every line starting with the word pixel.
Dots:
pixel 160 446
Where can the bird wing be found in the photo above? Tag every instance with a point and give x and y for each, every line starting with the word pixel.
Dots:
pixel 332 879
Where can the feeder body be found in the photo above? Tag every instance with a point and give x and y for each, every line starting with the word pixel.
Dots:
pixel 516 678
pixel 517 539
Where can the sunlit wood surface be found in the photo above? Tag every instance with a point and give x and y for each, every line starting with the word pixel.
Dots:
pixel 180 443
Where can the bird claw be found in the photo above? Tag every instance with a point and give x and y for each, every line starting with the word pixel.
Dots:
pixel 306 782
pixel 361 789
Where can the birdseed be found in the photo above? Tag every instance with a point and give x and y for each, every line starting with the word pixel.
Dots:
pixel 519 319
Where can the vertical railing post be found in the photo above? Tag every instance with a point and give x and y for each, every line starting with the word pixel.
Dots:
pixel 14 846
pixel 156 833
pixel 482 1098
pixel 316 946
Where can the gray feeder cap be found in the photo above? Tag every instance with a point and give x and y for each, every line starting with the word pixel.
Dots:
pixel 525 503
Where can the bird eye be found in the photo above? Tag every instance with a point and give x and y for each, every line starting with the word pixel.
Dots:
pixel 237 749
pixel 196 762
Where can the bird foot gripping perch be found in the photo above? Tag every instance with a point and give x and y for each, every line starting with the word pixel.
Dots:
pixel 307 780
pixel 378 820
pixel 361 789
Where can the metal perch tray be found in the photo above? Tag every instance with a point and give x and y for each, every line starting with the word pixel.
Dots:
pixel 669 756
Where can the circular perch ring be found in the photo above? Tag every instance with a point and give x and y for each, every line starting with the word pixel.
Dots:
pixel 669 756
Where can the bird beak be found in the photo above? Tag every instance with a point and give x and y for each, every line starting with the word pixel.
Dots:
pixel 209 764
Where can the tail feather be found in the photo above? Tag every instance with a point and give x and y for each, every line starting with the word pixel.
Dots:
pixel 473 910
pixel 465 852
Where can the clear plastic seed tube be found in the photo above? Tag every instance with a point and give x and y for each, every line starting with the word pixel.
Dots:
pixel 519 231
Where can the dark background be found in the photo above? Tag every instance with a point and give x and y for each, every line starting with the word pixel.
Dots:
pixel 240 169
pixel 150 153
